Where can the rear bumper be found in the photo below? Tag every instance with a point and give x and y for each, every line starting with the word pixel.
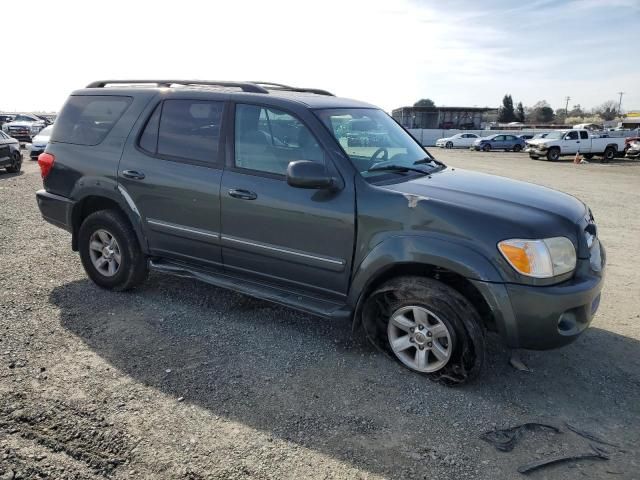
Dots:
pixel 55 209
pixel 541 318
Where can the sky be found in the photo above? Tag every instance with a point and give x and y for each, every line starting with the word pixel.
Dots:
pixel 389 53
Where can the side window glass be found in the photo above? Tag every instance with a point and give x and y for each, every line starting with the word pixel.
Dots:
pixel 266 140
pixel 190 129
pixel 149 137
pixel 584 135
pixel 573 135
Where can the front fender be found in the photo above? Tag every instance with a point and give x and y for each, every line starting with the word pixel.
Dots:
pixel 420 249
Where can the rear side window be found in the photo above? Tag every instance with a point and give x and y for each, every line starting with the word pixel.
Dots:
pixel 88 119
pixel 190 130
pixel 584 135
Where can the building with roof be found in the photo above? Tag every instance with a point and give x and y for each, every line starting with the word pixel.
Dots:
pixel 464 118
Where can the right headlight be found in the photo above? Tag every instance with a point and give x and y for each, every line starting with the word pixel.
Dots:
pixel 544 258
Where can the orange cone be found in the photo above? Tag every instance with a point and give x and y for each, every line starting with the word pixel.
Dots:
pixel 578 158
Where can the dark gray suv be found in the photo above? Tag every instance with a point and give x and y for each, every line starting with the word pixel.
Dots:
pixel 266 189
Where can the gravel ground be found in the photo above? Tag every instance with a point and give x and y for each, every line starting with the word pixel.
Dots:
pixel 183 380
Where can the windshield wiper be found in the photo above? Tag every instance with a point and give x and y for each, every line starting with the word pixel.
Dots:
pixel 397 168
pixel 433 161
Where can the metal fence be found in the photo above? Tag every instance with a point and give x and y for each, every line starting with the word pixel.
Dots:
pixel 428 137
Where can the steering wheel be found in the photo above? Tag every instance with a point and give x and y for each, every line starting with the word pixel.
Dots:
pixel 376 154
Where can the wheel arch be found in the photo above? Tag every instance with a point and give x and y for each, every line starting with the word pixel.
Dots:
pixel 92 201
pixel 453 264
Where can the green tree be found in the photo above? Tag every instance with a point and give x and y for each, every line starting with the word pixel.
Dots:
pixel 425 102
pixel 507 114
pixel 520 116
pixel 542 112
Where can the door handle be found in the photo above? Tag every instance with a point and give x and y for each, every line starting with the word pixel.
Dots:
pixel 242 194
pixel 133 174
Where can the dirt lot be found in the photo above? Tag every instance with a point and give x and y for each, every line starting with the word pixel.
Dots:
pixel 183 380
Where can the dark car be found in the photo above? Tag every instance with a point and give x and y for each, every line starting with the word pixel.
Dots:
pixel 10 155
pixel 5 118
pixel 256 188
pixel 499 142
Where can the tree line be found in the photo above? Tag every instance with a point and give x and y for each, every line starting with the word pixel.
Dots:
pixel 541 112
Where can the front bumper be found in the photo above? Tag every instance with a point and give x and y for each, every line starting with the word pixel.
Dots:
pixel 55 209
pixel 541 318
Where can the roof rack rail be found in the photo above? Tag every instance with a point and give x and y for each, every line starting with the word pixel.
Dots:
pixel 287 88
pixel 244 86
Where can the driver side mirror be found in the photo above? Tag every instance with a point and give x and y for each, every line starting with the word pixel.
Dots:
pixel 307 174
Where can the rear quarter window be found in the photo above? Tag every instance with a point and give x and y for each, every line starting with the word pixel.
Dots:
pixel 88 119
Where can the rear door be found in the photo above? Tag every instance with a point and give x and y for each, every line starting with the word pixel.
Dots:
pixel 468 139
pixel 171 172
pixel 297 238
pixel 585 142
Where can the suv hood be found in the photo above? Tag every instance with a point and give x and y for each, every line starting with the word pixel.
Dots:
pixel 23 124
pixel 519 202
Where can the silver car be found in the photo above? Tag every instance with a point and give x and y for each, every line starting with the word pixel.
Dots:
pixel 39 142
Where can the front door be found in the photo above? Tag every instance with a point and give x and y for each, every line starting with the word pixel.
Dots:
pixel 297 238
pixel 172 174
pixel 571 142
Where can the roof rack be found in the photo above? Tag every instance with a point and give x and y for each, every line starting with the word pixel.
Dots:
pixel 252 87
pixel 244 86
pixel 287 88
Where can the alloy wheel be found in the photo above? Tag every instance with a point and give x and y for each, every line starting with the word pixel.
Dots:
pixel 419 338
pixel 105 253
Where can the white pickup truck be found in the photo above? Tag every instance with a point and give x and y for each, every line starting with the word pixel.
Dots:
pixel 570 142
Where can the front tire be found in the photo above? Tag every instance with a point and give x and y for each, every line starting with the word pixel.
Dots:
pixel 449 145
pixel 428 327
pixel 486 148
pixel 517 148
pixel 16 163
pixel 553 154
pixel 110 252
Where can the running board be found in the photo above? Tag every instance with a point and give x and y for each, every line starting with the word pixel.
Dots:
pixel 296 300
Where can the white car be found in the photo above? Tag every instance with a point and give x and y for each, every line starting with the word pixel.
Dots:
pixel 464 140
pixel 39 142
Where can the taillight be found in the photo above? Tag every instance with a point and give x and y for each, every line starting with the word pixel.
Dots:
pixel 46 161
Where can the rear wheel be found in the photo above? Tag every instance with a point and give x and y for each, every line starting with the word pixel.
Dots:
pixel 110 252
pixel 486 147
pixel 553 154
pixel 609 154
pixel 16 163
pixel 428 327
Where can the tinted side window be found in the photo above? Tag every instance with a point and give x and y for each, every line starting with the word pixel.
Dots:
pixel 149 137
pixel 190 129
pixel 573 135
pixel 88 119
pixel 266 140
pixel 584 135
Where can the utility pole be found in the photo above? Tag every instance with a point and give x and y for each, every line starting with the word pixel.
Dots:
pixel 620 103
pixel 566 107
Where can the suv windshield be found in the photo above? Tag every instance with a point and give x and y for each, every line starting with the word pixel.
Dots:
pixel 24 118
pixel 375 143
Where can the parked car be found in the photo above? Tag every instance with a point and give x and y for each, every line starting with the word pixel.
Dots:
pixel 526 136
pixel 39 142
pixel 569 142
pixel 499 142
pixel 10 155
pixel 628 141
pixel 4 118
pixel 422 258
pixel 458 140
pixel 541 135
pixel 633 150
pixel 24 127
